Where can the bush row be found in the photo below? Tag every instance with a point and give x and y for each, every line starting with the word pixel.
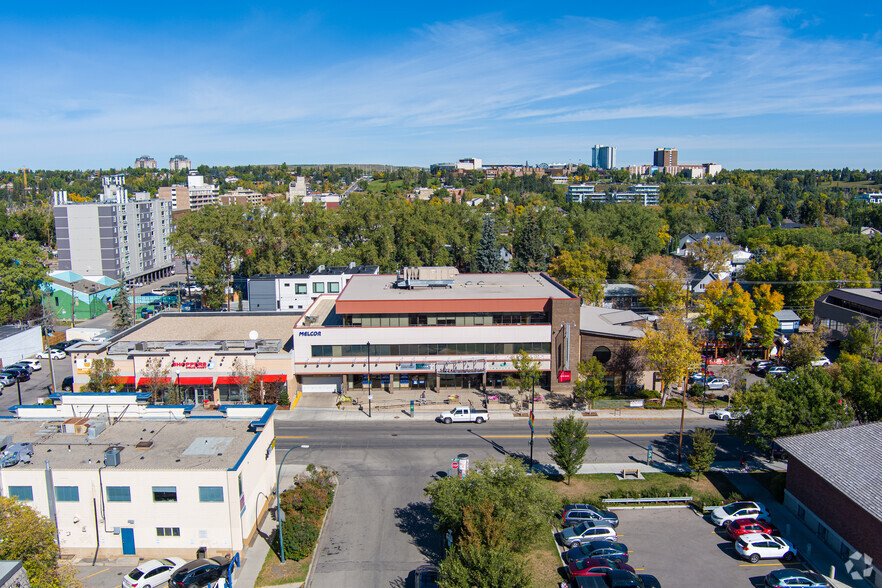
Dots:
pixel 304 507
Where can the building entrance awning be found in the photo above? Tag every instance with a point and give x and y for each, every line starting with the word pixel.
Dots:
pixel 196 380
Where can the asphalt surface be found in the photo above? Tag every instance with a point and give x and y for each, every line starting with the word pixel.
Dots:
pixel 380 529
pixel 38 386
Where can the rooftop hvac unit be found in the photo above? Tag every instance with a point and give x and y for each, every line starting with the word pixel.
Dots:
pixel 111 457
pixel 96 427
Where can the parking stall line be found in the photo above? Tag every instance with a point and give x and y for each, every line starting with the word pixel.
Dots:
pixel 779 563
pixel 96 573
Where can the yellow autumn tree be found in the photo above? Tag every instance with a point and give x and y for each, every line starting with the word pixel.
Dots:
pixel 767 302
pixel 670 350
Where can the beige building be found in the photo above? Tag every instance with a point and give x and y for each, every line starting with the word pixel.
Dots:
pixel 178 163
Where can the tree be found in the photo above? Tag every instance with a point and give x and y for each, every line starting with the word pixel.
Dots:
pixel 661 282
pixel 474 566
pixel 704 451
pixel 30 537
pixel 804 348
pixel 526 374
pixel 569 443
pixel 864 339
pixel 804 402
pixel 710 256
pixel 591 382
pixel 249 380
pixel 103 376
pixel 487 260
pixel 529 246
pixel 860 380
pixel 581 272
pixel 21 272
pixel 158 380
pixel 670 350
pixel 122 311
pixel 767 303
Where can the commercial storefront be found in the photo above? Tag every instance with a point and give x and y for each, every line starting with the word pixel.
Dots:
pixel 219 358
pixel 432 328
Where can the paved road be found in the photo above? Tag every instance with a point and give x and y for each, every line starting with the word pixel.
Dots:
pixel 380 528
pixel 37 386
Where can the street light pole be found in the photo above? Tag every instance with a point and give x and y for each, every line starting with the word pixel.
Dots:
pixel 178 387
pixel 532 425
pixel 370 382
pixel 682 418
pixel 18 385
pixel 279 514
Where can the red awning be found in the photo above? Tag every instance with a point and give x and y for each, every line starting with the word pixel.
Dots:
pixel 195 380
pixel 274 378
pixel 148 381
pixel 124 380
pixel 227 380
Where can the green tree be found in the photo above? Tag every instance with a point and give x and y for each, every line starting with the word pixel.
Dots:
pixel 526 375
pixel 804 348
pixel 661 282
pixel 804 402
pixel 569 444
pixel 21 272
pixel 704 451
pixel 122 310
pixel 103 376
pixel 767 303
pixel 864 339
pixel 487 260
pixel 30 537
pixel 860 380
pixel 709 256
pixel 670 350
pixel 582 273
pixel 475 566
pixel 529 246
pixel 591 382
pixel 158 379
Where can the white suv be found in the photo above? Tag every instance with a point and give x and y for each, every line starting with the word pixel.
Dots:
pixel 757 546
pixel 723 515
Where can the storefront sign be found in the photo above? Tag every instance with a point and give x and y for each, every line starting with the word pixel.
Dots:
pixel 193 365
pixel 414 366
pixel 309 333
pixel 564 376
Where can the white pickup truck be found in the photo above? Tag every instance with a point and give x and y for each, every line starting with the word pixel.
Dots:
pixel 464 414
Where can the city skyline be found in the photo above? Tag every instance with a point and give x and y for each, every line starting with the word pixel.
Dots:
pixel 739 83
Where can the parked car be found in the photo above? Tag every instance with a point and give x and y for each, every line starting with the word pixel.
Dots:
pixel 67 384
pixel 726 414
pixel 821 362
pixel 20 365
pixel 6 380
pixel 34 363
pixel 426 576
pixel 699 376
pixel 585 532
pixel 199 573
pixel 740 527
pixel 20 374
pixel 573 514
pixel 54 353
pixel 15 453
pixel 606 549
pixel 594 566
pixel 65 344
pixel 760 365
pixel 723 515
pixel 777 370
pixel 790 578
pixel 717 383
pixel 464 414
pixel 617 579
pixel 152 573
pixel 757 546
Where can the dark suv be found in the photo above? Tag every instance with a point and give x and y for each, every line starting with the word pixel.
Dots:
pixel 199 573
pixel 573 514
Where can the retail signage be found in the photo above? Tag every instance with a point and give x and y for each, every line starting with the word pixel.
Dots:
pixel 193 365
pixel 309 333
pixel 564 376
pixel 414 366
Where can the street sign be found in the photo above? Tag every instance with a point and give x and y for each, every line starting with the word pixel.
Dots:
pixel 454 465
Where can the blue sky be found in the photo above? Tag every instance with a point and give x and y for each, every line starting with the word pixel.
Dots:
pixel 744 84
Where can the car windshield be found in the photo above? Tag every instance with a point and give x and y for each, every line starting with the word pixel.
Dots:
pixel 136 573
pixel 734 507
pixel 580 529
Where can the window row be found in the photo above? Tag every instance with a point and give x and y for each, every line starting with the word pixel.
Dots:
pixel 120 493
pixel 450 319
pixel 317 287
pixel 431 349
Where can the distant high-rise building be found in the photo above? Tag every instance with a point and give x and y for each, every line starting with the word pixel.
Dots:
pixel 664 156
pixel 178 163
pixel 603 156
pixel 146 162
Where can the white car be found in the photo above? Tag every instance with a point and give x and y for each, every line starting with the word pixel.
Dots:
pixel 821 362
pixel 53 353
pixel 717 383
pixel 34 363
pixel 756 546
pixel 155 572
pixel 587 531
pixel 723 515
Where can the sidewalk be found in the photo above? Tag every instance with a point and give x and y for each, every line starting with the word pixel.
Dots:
pixel 811 549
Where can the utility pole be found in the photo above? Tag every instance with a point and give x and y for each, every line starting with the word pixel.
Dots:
pixel 532 424
pixel 370 382
pixel 49 355
pixel 682 418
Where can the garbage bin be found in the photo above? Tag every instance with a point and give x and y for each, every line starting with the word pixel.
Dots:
pixel 200 553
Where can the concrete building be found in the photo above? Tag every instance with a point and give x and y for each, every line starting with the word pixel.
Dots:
pixel 465 164
pixel 297 189
pixel 67 292
pixel 664 156
pixel 832 486
pixel 178 195
pixel 296 292
pixel 580 193
pixel 119 477
pixel 603 157
pixel 842 308
pixel 19 342
pixel 199 193
pixel 433 328
pixel 145 162
pixel 209 357
pixel 118 237
pixel 178 163
pixel 607 334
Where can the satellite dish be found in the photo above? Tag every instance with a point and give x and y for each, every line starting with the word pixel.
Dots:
pixel 253 335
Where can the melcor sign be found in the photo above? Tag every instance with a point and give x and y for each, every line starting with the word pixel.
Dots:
pixel 309 333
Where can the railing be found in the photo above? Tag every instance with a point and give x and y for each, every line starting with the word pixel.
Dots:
pixel 638 501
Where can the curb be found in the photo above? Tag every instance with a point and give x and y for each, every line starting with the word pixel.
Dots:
pixel 321 534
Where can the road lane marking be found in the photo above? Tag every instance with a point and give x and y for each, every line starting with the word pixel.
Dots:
pixel 794 563
pixel 292 437
pixel 589 435
pixel 96 573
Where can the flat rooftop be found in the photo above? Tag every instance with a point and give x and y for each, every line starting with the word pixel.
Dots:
pixel 533 285
pixel 191 444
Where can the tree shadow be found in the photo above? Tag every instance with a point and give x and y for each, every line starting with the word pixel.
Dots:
pixel 417 520
pixel 556 400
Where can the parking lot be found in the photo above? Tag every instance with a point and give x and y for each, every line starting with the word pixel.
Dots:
pixel 681 548
pixel 37 386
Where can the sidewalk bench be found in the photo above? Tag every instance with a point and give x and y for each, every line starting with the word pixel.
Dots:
pixel 634 472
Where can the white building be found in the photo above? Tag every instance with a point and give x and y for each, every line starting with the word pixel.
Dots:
pixel 17 343
pixel 145 162
pixel 200 194
pixel 178 163
pixel 118 477
pixel 293 292
pixel 297 189
pixel 580 193
pixel 603 156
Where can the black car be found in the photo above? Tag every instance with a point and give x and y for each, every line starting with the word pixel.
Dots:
pixel 426 576
pixel 19 374
pixel 65 344
pixel 606 549
pixel 199 573
pixel 67 384
pixel 21 366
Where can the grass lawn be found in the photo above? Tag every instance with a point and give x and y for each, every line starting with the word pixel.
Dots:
pixel 543 562
pixel 378 185
pixel 274 572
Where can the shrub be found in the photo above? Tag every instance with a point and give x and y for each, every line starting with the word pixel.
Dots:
pixel 300 536
pixel 283 398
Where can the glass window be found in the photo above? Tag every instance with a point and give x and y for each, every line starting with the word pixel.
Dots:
pixel 602 353
pixel 333 287
pixel 318 287
pixel 67 494
pixel 300 288
pixel 119 494
pixel 165 494
pixel 168 531
pixel 211 494
pixel 21 492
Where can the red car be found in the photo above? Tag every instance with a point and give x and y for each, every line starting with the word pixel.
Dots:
pixel 595 566
pixel 741 527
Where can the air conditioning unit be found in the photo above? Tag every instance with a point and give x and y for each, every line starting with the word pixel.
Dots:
pixel 111 457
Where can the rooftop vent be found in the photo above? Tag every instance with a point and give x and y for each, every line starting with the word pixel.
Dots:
pixel 144 444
